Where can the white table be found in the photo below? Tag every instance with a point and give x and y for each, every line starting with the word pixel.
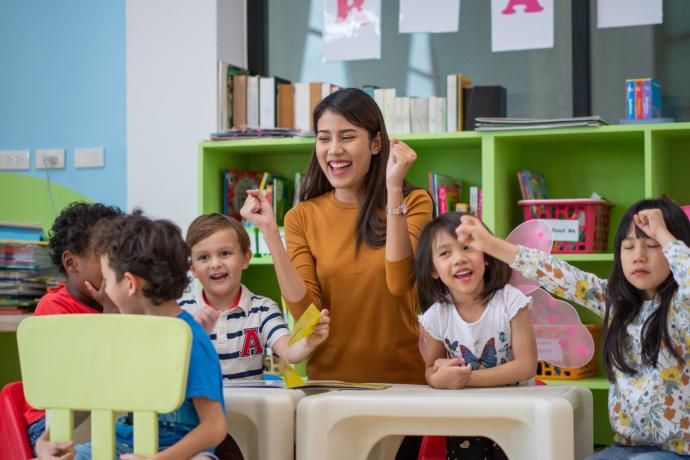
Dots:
pixel 536 423
pixel 262 421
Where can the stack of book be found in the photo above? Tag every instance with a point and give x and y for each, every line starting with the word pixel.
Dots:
pixel 26 273
pixel 507 124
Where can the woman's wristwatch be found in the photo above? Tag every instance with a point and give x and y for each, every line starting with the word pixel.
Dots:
pixel 399 210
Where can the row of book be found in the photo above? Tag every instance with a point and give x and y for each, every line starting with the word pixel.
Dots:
pixel 254 101
pixel 446 192
pixel 258 106
pixel 26 273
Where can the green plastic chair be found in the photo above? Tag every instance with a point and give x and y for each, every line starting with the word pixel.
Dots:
pixel 105 364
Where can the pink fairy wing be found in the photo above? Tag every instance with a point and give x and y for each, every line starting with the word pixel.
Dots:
pixel 562 339
pixel 535 234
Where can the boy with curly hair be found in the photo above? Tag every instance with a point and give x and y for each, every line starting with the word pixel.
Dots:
pixel 144 264
pixel 72 251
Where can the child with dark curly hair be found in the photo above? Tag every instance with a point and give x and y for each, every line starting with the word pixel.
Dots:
pixel 72 251
pixel 144 264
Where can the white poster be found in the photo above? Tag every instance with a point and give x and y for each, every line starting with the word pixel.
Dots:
pixel 429 16
pixel 351 30
pixel 621 13
pixel 521 24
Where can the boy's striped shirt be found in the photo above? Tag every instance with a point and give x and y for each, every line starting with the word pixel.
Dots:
pixel 241 334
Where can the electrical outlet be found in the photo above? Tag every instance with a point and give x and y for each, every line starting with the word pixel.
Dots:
pixel 49 159
pixel 14 159
pixel 89 157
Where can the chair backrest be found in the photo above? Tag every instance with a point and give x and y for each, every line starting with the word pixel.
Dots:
pixel 105 364
pixel 14 441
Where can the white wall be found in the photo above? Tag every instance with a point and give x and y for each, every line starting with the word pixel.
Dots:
pixel 172 50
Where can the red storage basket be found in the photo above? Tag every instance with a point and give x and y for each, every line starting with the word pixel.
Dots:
pixel 593 218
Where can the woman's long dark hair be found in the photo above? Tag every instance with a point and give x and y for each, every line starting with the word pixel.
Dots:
pixel 359 109
pixel 431 290
pixel 627 300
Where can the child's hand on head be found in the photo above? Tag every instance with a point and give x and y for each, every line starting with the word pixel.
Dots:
pixel 258 211
pixel 321 330
pixel 471 232
pixel 400 161
pixel 651 221
pixel 101 297
pixel 452 374
pixel 46 450
pixel 207 317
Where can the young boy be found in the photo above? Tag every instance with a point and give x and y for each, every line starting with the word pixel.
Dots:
pixel 241 323
pixel 72 250
pixel 145 264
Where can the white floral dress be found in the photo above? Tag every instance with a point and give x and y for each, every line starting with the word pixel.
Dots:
pixel 652 407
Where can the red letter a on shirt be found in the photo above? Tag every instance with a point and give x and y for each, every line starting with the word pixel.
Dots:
pixel 252 344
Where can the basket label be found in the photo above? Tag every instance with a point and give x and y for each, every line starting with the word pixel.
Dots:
pixel 549 350
pixel 564 229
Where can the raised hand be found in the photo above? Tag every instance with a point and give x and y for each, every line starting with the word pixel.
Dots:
pixel 651 221
pixel 258 211
pixel 471 232
pixel 400 160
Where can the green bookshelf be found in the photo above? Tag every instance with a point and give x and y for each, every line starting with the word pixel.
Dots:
pixel 622 163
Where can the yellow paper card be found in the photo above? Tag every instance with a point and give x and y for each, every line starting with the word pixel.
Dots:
pixel 292 378
pixel 305 324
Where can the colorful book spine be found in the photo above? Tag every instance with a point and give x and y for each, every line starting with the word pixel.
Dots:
pixel 638 99
pixel 646 98
pixel 442 200
pixel 630 99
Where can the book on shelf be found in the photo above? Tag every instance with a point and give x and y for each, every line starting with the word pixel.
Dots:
pixel 385 98
pixel 445 191
pixel 253 101
pixel 437 114
pixel 402 116
pixel 419 115
pixel 226 72
pixel 239 101
pixel 476 199
pixel 507 124
pixel 268 100
pixel 286 105
pixel 532 185
pixel 26 274
pixel 455 83
pixel 280 198
pixel 307 96
pixel 235 185
pixel 23 231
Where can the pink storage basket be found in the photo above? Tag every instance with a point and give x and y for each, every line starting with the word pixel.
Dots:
pixel 593 218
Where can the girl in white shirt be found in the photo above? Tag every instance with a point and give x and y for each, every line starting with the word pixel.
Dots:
pixel 475 330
